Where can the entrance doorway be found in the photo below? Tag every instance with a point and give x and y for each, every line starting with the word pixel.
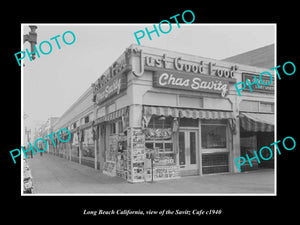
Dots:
pixel 188 152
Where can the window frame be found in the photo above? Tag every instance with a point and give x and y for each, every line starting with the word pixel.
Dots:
pixel 112 127
pixel 214 150
pixel 152 123
pixel 267 103
pixel 86 119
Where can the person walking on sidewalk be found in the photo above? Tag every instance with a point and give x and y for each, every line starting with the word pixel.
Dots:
pixel 31 155
pixel 40 147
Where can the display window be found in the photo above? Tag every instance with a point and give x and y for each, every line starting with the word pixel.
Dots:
pixel 88 150
pixel 213 135
pixel 215 153
pixel 248 145
pixel 158 137
pixel 112 128
pixel 160 122
pixel 120 126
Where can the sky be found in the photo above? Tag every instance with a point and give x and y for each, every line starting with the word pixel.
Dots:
pixel 53 82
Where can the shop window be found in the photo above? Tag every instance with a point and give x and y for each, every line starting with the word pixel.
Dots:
pixel 112 128
pixel 266 107
pixel 248 144
pixel 251 106
pixel 120 126
pixel 86 119
pixel 213 136
pixel 159 138
pixel 192 147
pixel 160 122
pixel 88 149
pixel 162 146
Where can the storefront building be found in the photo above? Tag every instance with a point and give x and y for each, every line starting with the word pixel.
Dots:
pixel 158 114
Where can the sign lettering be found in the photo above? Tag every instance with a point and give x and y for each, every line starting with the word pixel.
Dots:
pixel 175 80
pixel 114 87
pixel 262 83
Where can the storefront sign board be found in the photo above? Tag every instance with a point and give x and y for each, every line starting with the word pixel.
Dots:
pixel 263 88
pixel 195 82
pixel 114 87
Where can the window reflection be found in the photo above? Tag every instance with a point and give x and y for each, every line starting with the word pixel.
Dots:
pixel 213 136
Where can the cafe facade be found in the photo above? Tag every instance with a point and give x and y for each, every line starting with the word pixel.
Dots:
pixel 158 114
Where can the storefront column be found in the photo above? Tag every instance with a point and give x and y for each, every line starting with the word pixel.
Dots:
pixel 236 146
pixel 135 115
pixel 135 124
pixel 95 139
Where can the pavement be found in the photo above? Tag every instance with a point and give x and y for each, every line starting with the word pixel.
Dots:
pixel 54 175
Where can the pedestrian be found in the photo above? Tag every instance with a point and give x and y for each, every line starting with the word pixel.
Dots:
pixel 41 153
pixel 30 152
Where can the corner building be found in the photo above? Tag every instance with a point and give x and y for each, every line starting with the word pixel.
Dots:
pixel 158 114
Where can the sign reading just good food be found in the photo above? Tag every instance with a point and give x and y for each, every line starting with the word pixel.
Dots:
pixel 201 67
pixel 195 82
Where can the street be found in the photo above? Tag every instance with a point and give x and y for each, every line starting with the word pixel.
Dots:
pixel 54 175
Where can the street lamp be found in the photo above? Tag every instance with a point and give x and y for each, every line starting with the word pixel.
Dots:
pixel 31 38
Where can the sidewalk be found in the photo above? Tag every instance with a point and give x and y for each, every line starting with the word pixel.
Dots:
pixel 53 175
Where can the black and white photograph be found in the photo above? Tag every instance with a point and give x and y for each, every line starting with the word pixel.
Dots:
pixel 109 113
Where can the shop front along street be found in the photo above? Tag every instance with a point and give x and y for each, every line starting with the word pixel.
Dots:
pixel 156 114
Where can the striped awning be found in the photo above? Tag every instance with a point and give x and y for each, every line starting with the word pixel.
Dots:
pixel 257 122
pixel 187 113
pixel 112 116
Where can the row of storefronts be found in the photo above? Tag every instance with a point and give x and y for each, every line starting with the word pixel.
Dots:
pixel 158 114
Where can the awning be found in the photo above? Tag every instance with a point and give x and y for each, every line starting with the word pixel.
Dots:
pixel 187 113
pixel 257 122
pixel 112 116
